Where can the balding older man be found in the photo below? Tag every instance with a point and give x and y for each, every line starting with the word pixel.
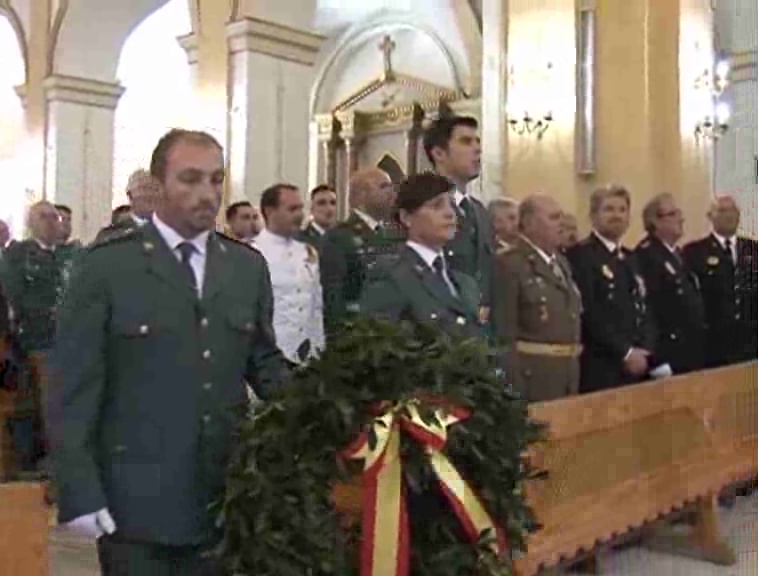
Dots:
pixel 537 306
pixel 142 191
pixel 727 268
pixel 354 248
pixel 32 275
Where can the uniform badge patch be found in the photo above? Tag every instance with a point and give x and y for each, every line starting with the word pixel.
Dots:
pixel 712 261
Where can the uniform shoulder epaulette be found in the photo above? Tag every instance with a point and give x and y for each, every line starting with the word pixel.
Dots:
pixel 114 236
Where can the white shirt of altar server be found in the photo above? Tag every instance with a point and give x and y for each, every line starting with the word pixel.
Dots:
pixel 298 305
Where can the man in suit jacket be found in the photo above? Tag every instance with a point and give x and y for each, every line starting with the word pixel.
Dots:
pixel 163 344
pixel 323 215
pixel 142 191
pixel 453 146
pixel 536 306
pixel 727 268
pixel 673 291
pixel 355 248
pixel 420 286
pixel 618 333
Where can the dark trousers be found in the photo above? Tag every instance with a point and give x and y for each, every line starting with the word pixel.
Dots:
pixel 119 557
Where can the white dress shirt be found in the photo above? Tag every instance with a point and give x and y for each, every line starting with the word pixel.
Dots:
pixel 298 306
pixel 611 246
pixel 200 242
pixel 722 242
pixel 429 255
pixel 370 222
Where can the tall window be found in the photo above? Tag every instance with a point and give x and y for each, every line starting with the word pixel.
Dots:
pixel 12 177
pixel 154 70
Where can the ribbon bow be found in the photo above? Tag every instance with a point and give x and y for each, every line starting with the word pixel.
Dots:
pixel 385 547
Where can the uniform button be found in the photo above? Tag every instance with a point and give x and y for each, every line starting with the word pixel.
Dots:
pixel 673 336
pixel 433 316
pixel 144 329
pixel 573 316
pixel 207 354
pixel 207 386
pixel 737 316
pixel 204 322
pixel 249 326
pixel 206 419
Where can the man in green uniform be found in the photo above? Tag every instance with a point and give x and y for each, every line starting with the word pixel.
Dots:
pixel 142 420
pixel 420 286
pixel 536 306
pixel 142 192
pixel 359 246
pixel 454 148
pixel 32 274
pixel 323 215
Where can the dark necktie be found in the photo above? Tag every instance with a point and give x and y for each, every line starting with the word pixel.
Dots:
pixel 728 249
pixel 186 250
pixel 465 207
pixel 440 269
pixel 556 268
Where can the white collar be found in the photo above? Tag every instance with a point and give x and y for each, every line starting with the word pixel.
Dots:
pixel 173 238
pixel 611 246
pixel 370 222
pixel 544 255
pixel 267 235
pixel 428 255
pixel 318 228
pixel 138 220
pixel 44 246
pixel 722 239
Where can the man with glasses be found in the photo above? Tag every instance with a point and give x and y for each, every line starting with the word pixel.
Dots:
pixel 673 291
pixel 323 215
pixel 353 249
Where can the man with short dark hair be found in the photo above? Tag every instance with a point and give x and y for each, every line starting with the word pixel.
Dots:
pixel 673 291
pixel 727 267
pixel 121 214
pixel 164 341
pixel 294 266
pixel 453 147
pixel 536 306
pixel 243 221
pixel 323 215
pixel 421 286
pixel 618 332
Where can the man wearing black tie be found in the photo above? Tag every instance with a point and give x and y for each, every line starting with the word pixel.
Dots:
pixel 673 290
pixel 727 268
pixel 454 149
pixel 421 286
pixel 617 328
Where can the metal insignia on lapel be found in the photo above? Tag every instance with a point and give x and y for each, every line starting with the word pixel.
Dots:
pixel 713 261
pixel 419 268
pixel 222 247
pixel 607 272
pixel 670 268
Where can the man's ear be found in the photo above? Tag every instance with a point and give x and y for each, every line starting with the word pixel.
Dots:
pixel 404 217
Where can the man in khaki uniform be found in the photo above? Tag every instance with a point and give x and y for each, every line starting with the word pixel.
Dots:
pixel 537 306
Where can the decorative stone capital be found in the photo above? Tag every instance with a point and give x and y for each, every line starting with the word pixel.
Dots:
pixel 83 91
pixel 277 40
pixel 189 43
pixel 22 92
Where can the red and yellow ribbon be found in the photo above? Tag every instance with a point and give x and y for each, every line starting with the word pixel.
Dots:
pixel 385 548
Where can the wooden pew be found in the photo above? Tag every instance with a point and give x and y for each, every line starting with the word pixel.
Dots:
pixel 24 520
pixel 624 458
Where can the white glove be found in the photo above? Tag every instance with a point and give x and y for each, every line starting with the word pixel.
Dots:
pixel 93 525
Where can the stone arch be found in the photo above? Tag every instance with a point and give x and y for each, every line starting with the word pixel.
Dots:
pixel 158 96
pixel 339 50
pixel 14 20
pixel 92 34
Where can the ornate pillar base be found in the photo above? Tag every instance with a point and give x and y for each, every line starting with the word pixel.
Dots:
pixel 79 152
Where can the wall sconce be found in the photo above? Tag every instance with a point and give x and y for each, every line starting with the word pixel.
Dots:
pixel 527 94
pixel 526 124
pixel 714 127
pixel 712 83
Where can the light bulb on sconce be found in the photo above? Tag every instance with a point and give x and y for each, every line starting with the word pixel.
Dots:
pixel 530 86
pixel 526 124
pixel 712 83
pixel 713 127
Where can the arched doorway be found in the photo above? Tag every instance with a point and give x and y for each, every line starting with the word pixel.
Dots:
pixel 13 177
pixel 154 70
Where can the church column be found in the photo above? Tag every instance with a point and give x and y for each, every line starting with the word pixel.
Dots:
pixel 271 68
pixel 79 152
pixel 494 82
pixel 190 44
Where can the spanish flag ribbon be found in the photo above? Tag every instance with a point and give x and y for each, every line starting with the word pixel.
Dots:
pixel 385 546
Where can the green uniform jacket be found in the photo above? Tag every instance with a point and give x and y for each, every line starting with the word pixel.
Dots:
pixel 144 377
pixel 471 251
pixel 116 230
pixel 531 304
pixel 350 252
pixel 412 291
pixel 33 281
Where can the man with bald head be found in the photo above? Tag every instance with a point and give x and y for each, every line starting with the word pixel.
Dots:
pixel 727 268
pixel 32 275
pixel 367 240
pixel 537 306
